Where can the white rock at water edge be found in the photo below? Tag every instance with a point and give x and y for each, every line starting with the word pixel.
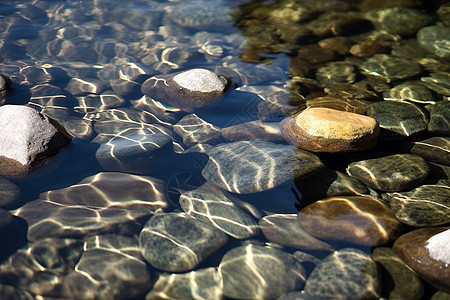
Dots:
pixel 27 135
pixel 201 80
pixel 439 246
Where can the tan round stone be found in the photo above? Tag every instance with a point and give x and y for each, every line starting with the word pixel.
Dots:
pixel 360 220
pixel 328 130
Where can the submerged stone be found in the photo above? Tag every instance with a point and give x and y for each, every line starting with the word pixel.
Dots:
pixel 405 283
pixel 330 130
pixel 426 252
pixel 391 173
pixel 346 274
pixel 359 220
pixel 199 284
pixel 426 205
pixel 177 242
pixel 253 166
pixel 399 119
pixel 436 149
pixel 436 40
pixel 210 204
pixel 389 68
pixel 103 203
pixel 114 261
pixel 440 118
pixel 283 229
pixel 258 272
pixel 194 130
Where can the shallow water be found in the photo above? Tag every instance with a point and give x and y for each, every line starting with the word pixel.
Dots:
pixel 83 63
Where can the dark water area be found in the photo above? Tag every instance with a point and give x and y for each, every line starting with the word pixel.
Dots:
pixel 152 200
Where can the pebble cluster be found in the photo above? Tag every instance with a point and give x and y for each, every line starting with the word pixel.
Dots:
pixel 225 149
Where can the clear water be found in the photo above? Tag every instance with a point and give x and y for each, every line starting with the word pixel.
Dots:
pixel 47 43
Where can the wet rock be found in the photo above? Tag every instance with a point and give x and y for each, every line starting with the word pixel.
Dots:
pixel 435 149
pixel 258 272
pixel 426 205
pixel 438 82
pixel 328 183
pixel 368 48
pixel 389 68
pixel 350 91
pixel 199 284
pixel 253 166
pixel 135 152
pixel 444 13
pixel 391 173
pixel 80 86
pixel 338 44
pixel 203 15
pixel 254 130
pixel 283 229
pixel 360 220
pixel 27 138
pixel 413 91
pixel 177 242
pixel 339 23
pixel 435 39
pixel 41 266
pixel 5 86
pixel 346 274
pixel 159 110
pixel 105 100
pixel 397 20
pixel 98 204
pixel 426 251
pixel 10 194
pixel 333 72
pixel 439 119
pixel 138 17
pixel 211 205
pixel 349 105
pixel 398 119
pixel 187 90
pixel 405 283
pixel 116 265
pixel 195 130
pixel 329 130
pixel 10 292
pixel 12 233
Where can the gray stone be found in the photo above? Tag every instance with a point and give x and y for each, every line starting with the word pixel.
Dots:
pixel 10 292
pixel 102 203
pixel 116 265
pixel 195 130
pixel 346 274
pixel 203 15
pixel 199 284
pixel 438 81
pixel 176 242
pixel 414 91
pixel 254 166
pixel 130 151
pixel 283 229
pixel 258 272
pixel 254 130
pixel 27 138
pixel 12 233
pixel 41 266
pixel 328 183
pixel 399 119
pixel 389 68
pixel 399 20
pixel 440 119
pixel 405 284
pixel 436 40
pixel 10 194
pixel 210 204
pixel 424 206
pixel 435 149
pixel 390 173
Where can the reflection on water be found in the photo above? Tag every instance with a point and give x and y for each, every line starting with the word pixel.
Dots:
pixel 160 196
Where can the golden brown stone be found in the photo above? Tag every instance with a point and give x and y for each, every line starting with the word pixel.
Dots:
pixel 359 220
pixel 330 130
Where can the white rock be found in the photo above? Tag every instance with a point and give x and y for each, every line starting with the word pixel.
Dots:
pixel 201 80
pixel 26 134
pixel 439 246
